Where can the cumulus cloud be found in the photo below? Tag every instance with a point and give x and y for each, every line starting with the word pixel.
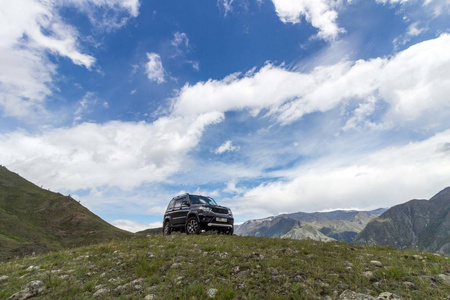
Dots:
pixel 402 81
pixel 154 68
pixel 226 147
pixel 116 153
pixel 30 30
pixel 321 14
pixel 384 178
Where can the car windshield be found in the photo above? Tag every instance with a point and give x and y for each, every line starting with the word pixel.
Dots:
pixel 201 200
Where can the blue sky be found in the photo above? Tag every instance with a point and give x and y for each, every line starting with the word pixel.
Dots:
pixel 269 106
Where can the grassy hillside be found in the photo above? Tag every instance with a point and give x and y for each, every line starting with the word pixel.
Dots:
pixel 36 220
pixel 226 267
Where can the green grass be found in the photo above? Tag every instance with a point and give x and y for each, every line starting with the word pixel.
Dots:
pixel 186 267
pixel 36 220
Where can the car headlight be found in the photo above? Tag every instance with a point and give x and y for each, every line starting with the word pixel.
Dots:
pixel 229 212
pixel 205 208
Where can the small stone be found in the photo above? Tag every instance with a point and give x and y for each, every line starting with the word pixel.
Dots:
pixel 138 287
pixel 176 265
pixel 101 292
pixel 388 296
pixel 150 297
pixel 409 284
pixel 444 278
pixel 212 293
pixel 31 268
pixel 348 268
pixel 310 256
pixel 102 275
pixel 418 257
pixel 4 278
pixel 368 274
pixel 376 263
pixel 351 295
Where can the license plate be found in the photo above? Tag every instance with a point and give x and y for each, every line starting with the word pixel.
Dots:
pixel 221 219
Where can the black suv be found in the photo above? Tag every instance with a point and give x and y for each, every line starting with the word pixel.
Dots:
pixel 194 213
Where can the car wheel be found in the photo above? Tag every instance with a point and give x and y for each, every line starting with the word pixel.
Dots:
pixel 192 226
pixel 230 231
pixel 166 229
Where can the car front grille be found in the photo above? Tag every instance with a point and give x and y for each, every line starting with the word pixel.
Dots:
pixel 220 210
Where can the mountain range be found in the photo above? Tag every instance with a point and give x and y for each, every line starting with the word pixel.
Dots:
pixel 417 224
pixel 340 225
pixel 35 220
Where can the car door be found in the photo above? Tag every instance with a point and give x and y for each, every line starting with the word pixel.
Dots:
pixel 176 212
pixel 184 210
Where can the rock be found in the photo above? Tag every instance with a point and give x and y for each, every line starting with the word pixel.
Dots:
pixel 102 275
pixel 4 278
pixel 137 281
pixel 101 292
pixel 212 293
pixel 350 295
pixel 150 297
pixel 376 263
pixel 32 289
pixel 388 296
pixel 310 256
pixel 444 278
pixel 176 265
pixel 138 287
pixel 31 268
pixel 368 274
pixel 409 284
pixel 418 257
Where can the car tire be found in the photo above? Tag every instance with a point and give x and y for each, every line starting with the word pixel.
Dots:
pixel 230 231
pixel 192 226
pixel 166 228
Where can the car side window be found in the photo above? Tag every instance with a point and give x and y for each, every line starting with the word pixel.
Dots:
pixel 170 206
pixel 177 203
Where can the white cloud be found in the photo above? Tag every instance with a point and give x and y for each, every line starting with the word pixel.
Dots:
pixel 226 147
pixel 116 153
pixel 134 226
pixel 154 68
pixel 180 39
pixel 225 6
pixel 157 210
pixel 402 81
pixel 321 14
pixel 232 188
pixel 30 30
pixel 384 178
pixel 85 106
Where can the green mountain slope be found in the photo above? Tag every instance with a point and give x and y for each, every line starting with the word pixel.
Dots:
pixel 321 226
pixel 36 220
pixel 226 267
pixel 417 224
